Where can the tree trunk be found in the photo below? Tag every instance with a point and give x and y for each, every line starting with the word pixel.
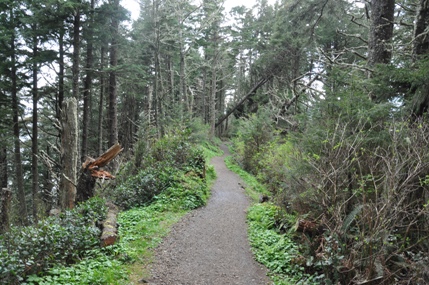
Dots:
pixel 69 153
pixel 109 234
pixel 87 85
pixel 184 95
pixel 158 84
pixel 5 198
pixel 212 100
pixel 421 38
pixel 23 215
pixel 113 120
pixel 381 31
pixel 76 47
pixel 213 87
pixel 420 48
pixel 101 104
pixel 92 169
pixel 6 194
pixel 60 73
pixel 203 96
pixel 240 103
pixel 34 140
pixel 3 166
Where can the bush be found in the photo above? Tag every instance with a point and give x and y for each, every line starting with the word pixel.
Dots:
pixel 273 164
pixel 252 135
pixel 366 184
pixel 55 240
pixel 139 190
pixel 160 169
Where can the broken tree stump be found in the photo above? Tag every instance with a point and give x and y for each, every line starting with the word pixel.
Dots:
pixel 109 233
pixel 91 170
pixel 69 153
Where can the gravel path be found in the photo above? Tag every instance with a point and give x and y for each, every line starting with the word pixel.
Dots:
pixel 209 245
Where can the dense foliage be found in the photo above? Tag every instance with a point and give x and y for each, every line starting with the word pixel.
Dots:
pixel 362 177
pixel 66 249
pixel 53 241
pixel 277 251
pixel 170 163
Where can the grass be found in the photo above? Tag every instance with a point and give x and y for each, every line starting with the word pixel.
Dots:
pixel 142 229
pixel 254 188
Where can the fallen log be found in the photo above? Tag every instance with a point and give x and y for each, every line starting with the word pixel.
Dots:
pixel 91 170
pixel 109 233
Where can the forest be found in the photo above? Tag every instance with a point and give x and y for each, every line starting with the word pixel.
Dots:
pixel 324 102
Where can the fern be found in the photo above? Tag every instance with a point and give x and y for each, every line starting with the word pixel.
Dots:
pixel 350 217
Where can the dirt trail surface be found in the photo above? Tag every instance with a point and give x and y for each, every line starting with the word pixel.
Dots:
pixel 209 245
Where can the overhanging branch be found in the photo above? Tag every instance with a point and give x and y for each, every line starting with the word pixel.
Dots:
pixel 248 95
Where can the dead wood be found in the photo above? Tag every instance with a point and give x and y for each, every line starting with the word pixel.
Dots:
pixel 109 234
pixel 91 170
pixel 248 95
pixel 309 227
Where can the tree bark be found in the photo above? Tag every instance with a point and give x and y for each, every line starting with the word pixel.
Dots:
pixel 113 120
pixel 421 36
pixel 381 31
pixel 6 194
pixel 420 48
pixel 3 166
pixel 23 215
pixel 212 100
pixel 76 54
pixel 69 153
pixel 60 73
pixel 92 169
pixel 101 104
pixel 34 139
pixel 87 84
pixel 109 233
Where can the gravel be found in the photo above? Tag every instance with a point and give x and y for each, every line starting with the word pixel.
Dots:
pixel 209 245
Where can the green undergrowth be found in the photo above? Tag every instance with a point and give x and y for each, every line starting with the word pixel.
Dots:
pixel 182 185
pixel 28 252
pixel 270 241
pixel 253 187
pixel 273 248
pixel 143 228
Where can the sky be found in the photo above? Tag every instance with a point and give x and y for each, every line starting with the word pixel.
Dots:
pixel 134 7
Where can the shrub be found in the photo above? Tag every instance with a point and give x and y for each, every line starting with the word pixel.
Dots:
pixel 273 164
pixel 55 240
pixel 251 136
pixel 139 190
pixel 365 183
pixel 160 169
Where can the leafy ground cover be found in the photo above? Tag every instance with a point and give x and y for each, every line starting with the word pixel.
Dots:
pixel 271 244
pixel 68 238
pixel 66 249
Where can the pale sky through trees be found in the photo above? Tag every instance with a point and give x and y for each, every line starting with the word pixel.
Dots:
pixel 134 8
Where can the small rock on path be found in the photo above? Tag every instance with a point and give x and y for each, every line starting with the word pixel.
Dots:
pixel 209 245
